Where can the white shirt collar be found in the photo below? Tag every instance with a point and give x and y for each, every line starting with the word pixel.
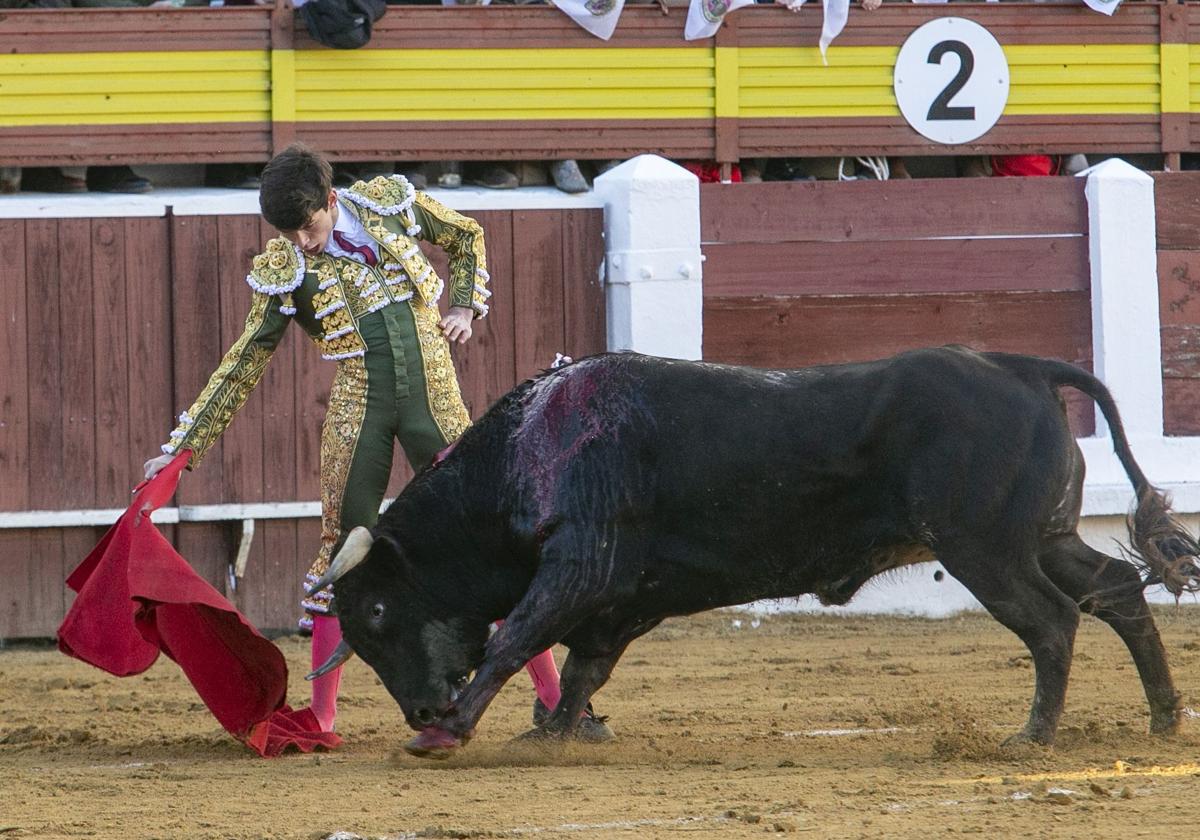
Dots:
pixel 349 226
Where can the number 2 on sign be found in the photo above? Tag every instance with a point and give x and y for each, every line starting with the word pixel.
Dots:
pixel 941 109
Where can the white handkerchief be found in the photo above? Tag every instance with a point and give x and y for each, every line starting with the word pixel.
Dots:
pixel 705 16
pixel 836 12
pixel 1106 7
pixel 596 16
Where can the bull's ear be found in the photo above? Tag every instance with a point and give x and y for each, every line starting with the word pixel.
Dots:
pixel 387 545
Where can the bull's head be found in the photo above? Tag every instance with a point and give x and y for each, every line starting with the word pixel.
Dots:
pixel 406 628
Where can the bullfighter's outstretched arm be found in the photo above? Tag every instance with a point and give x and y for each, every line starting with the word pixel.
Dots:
pixel 244 363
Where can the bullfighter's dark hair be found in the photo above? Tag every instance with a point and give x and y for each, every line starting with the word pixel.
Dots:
pixel 295 185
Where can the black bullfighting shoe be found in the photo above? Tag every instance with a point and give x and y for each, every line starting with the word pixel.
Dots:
pixel 592 728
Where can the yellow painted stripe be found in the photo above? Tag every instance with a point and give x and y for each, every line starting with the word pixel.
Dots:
pixel 283 85
pixel 425 63
pixel 727 81
pixel 160 63
pixel 505 84
pixel 555 84
pixel 1119 770
pixel 1072 79
pixel 132 88
pixel 509 80
pixel 1173 62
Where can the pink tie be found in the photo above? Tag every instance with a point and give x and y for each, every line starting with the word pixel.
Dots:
pixel 362 250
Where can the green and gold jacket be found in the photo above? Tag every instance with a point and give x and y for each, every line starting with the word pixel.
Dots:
pixel 328 296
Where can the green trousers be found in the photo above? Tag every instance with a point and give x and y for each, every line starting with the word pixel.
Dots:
pixel 402 389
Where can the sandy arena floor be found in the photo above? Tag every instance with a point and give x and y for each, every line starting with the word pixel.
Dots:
pixel 814 725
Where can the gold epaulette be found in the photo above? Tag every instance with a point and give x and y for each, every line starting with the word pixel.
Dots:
pixel 385 195
pixel 277 270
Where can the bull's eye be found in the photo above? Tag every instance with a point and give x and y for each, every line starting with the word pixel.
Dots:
pixel 377 611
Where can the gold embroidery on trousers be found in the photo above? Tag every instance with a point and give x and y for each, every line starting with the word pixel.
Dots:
pixel 339 439
pixel 441 383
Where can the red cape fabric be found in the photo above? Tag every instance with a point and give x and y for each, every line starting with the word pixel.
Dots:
pixel 138 597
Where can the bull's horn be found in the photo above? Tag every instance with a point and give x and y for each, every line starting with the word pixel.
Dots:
pixel 353 552
pixel 340 654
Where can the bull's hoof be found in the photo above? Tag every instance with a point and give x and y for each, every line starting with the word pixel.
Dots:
pixel 1165 724
pixel 1023 738
pixel 433 743
pixel 590 730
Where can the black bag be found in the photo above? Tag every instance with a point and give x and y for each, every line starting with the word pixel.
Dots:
pixel 342 24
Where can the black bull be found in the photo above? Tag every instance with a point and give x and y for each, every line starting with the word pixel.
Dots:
pixel 596 500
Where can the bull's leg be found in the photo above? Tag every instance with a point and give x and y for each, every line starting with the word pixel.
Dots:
pixel 556 600
pixel 1014 590
pixel 582 677
pixel 1112 591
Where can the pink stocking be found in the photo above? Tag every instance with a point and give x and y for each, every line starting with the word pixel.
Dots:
pixel 544 674
pixel 326 635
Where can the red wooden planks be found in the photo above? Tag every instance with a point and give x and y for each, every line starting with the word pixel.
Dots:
pixel 537 289
pixel 116 469
pixel 585 312
pixel 14 385
pixel 196 338
pixel 916 266
pixel 832 211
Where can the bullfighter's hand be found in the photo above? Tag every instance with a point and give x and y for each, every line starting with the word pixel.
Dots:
pixel 456 326
pixel 154 465
pixel 871 5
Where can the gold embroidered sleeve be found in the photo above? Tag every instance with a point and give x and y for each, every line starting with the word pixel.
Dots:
pixel 231 383
pixel 461 238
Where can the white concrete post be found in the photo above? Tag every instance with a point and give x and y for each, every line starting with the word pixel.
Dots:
pixel 652 257
pixel 1127 353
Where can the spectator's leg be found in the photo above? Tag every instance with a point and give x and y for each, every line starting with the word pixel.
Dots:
pixel 66 179
pixel 237 176
pixel 116 179
pixel 450 176
pixel 10 179
pixel 533 173
pixel 494 176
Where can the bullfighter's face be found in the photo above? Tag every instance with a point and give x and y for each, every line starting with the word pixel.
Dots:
pixel 423 659
pixel 314 235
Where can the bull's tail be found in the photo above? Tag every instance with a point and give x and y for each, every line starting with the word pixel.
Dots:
pixel 1160 545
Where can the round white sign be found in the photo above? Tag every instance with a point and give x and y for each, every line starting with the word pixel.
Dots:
pixel 951 80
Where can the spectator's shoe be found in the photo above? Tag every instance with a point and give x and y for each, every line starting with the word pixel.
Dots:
pixel 117 179
pixel 497 178
pixel 567 176
pixel 592 728
pixel 532 173
pixel 53 180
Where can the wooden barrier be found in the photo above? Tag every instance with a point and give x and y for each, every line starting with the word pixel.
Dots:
pixel 112 326
pixel 1177 209
pixel 818 273
pixel 93 86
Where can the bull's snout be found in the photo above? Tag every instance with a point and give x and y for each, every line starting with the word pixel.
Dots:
pixel 424 717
